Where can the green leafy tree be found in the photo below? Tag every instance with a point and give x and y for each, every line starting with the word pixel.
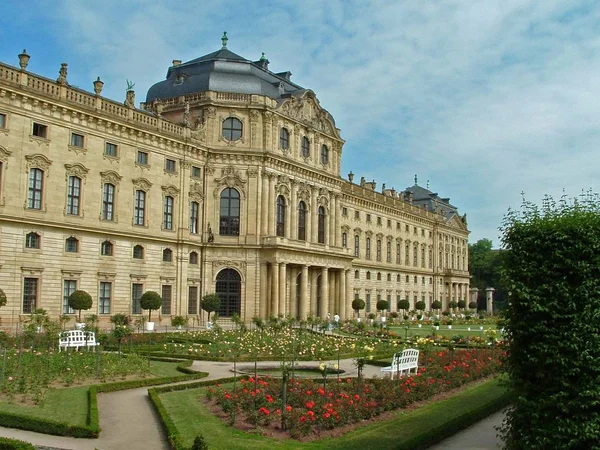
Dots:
pixel 420 305
pixel 381 305
pixel 404 305
pixel 485 267
pixel 210 303
pixel 3 298
pixel 150 300
pixel 358 304
pixel 80 300
pixel 436 305
pixel 552 267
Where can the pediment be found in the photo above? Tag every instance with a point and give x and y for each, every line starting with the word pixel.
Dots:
pixel 306 109
pixel 456 222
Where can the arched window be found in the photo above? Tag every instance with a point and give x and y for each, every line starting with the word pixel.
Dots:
pixel 324 154
pixel 167 255
pixel 344 240
pixel 138 252
pixel 398 278
pixel 228 288
pixel 356 274
pixel 106 249
pixel 389 252
pixel 368 255
pixel 378 249
pixel 232 129
pixel 193 258
pixel 398 255
pixel 302 221
pixel 356 245
pixel 280 216
pixel 389 277
pixel 368 275
pixel 284 138
pixel 229 224
pixel 32 240
pixel 378 276
pixel 305 147
pixel 321 225
pixel 71 245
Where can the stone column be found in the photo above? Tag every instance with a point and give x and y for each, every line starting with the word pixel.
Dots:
pixel 489 300
pixel 342 310
pixel 332 301
pixel 264 204
pixel 271 218
pixel 473 294
pixel 262 301
pixel 330 234
pixel 304 293
pixel 275 289
pixel 324 292
pixel 313 215
pixel 349 296
pixel 282 287
pixel 313 293
pixel 336 222
pixel 294 212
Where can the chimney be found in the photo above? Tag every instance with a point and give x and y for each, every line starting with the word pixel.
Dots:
pixel 176 62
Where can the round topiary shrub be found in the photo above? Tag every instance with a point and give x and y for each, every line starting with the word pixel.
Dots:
pixel 436 305
pixel 79 300
pixel 462 304
pixel 403 304
pixel 358 304
pixel 150 300
pixel 472 305
pixel 382 305
pixel 420 305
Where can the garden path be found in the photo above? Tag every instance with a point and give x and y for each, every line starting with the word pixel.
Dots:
pixel 129 422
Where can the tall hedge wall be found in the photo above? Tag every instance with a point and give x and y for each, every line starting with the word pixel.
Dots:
pixel 553 325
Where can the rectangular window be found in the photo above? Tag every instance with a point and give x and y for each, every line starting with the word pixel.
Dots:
pixel 357 215
pixel 110 149
pixel 344 240
pixel 137 289
pixel 398 255
pixel 345 212
pixel 389 252
pixel 40 130
pixel 108 201
pixel 36 186
pixel 104 297
pixel 2 121
pixel 170 165
pixel 368 249
pixel 379 221
pixel 76 140
pixel 30 293
pixel 142 158
pixel 378 250
pixel 356 246
pixel 167 291
pixel 389 223
pixel 194 217
pixel 139 215
pixel 168 213
pixel 193 300
pixel 196 172
pixel 368 303
pixel 368 217
pixel 73 196
pixel 69 286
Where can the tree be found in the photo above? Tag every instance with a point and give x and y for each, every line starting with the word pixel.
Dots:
pixel 472 305
pixel 420 305
pixel 3 298
pixel 381 305
pixel 485 266
pixel 79 300
pixel 210 303
pixel 552 266
pixel 404 305
pixel 150 300
pixel 357 305
pixel 462 304
pixel 436 305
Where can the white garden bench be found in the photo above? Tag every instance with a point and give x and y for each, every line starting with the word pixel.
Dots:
pixel 403 362
pixel 76 338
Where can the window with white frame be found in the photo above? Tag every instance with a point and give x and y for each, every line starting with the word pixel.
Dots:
pixel 71 245
pixel 104 297
pixel 30 294
pixel 106 248
pixel 77 140
pixel 108 201
pixel 36 188
pixel 111 149
pixel 32 240
pixel 73 195
pixel 194 217
pixel 139 213
pixel 69 286
pixel 168 213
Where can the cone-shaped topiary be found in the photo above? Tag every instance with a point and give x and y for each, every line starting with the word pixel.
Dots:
pixel 79 300
pixel 150 300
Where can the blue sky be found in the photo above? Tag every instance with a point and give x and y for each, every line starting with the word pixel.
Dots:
pixel 484 99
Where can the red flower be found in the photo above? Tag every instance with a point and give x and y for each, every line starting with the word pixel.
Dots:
pixel 227 396
pixel 302 419
pixel 288 408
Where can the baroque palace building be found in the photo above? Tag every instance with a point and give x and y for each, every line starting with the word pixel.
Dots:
pixel 226 179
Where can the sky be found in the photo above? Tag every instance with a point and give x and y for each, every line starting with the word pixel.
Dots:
pixel 487 101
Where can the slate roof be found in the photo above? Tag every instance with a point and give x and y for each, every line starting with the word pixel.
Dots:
pixel 432 201
pixel 224 71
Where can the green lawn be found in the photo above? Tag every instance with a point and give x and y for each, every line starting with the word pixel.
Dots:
pixel 407 430
pixel 164 369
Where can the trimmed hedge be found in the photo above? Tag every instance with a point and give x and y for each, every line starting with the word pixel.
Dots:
pixel 14 444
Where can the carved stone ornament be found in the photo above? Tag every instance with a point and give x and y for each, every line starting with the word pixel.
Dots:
pixel 323 201
pixel 211 111
pixel 218 265
pixel 345 228
pixel 78 170
pixel 142 183
pixel 379 235
pixel 254 115
pixel 209 169
pixel 195 193
pixel 304 195
pixel 306 109
pixel 37 162
pixel 252 172
pixel 230 178
pixel 358 231
pixel 4 154
pixel 110 176
pixel 282 189
pixel 369 233
pixel 170 190
pixel 267 117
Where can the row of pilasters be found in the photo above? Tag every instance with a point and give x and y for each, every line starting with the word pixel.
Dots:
pixel 268 219
pixel 294 290
pixel 456 292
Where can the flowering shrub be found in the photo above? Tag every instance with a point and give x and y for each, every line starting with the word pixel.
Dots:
pixel 313 406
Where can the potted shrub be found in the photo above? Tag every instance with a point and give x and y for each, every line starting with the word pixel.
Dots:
pixel 210 303
pixel 80 300
pixel 450 322
pixel 178 321
pixel 357 305
pixel 150 300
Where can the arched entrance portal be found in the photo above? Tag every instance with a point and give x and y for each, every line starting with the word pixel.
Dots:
pixel 229 288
